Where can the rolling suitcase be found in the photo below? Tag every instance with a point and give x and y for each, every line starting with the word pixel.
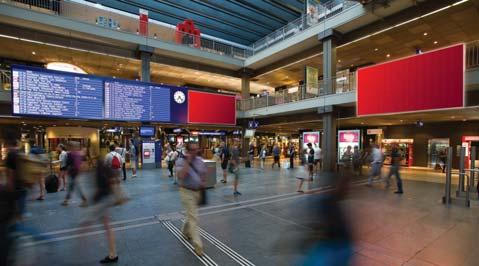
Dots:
pixel 247 164
pixel 51 183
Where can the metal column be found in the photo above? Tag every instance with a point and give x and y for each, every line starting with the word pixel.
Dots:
pixel 447 197
pixel 473 165
pixel 460 187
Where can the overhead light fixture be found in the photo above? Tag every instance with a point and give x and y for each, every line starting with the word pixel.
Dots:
pixel 339 60
pixel 376 49
pixel 388 55
pixel 435 42
pixel 34 53
pixel 61 66
pixel 453 117
pixel 425 34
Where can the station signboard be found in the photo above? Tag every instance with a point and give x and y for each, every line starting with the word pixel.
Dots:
pixel 51 93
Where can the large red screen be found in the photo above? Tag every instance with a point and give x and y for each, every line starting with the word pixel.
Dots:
pixel 209 108
pixel 432 80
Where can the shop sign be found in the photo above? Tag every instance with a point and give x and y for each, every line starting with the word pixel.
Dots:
pixel 375 131
pixel 389 141
pixel 211 133
pixel 348 138
pixel 253 124
pixel 310 137
pixel 471 138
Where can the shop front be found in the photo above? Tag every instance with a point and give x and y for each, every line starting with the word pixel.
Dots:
pixel 405 147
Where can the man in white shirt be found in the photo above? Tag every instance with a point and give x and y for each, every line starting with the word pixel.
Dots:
pixel 121 151
pixel 376 164
pixel 318 157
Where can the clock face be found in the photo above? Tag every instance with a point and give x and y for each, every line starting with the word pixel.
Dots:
pixel 179 97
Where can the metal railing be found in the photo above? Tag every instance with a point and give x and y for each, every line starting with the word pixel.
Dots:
pixel 321 14
pixel 472 54
pixel 340 84
pixel 125 22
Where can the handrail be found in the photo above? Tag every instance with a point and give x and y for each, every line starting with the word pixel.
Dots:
pixel 125 22
pixel 341 84
pixel 322 13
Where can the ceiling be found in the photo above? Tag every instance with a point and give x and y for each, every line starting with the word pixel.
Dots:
pixel 460 26
pixel 240 21
pixel 110 66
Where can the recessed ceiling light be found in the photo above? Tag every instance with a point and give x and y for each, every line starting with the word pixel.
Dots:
pixel 388 55
pixel 362 123
pixel 435 42
pixel 452 117
pixel 339 60
pixel 425 34
pixel 287 76
pixel 34 53
pixel 376 49
pixel 401 120
pixel 464 120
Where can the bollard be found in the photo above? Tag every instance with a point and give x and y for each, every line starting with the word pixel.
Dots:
pixel 473 165
pixel 447 197
pixel 460 187
pixel 468 201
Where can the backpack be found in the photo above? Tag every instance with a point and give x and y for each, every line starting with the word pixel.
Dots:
pixel 115 162
pixel 311 156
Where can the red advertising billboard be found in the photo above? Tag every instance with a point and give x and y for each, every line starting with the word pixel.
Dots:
pixel 210 108
pixel 428 81
pixel 143 22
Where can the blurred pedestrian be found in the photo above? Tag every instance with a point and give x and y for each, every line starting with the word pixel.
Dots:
pixel 38 163
pixel 225 157
pixel 134 152
pixel 396 159
pixel 309 166
pixel 357 161
pixel 376 164
pixel 113 162
pixel 122 152
pixel 74 159
pixel 12 201
pixel 103 200
pixel 317 158
pixel 250 155
pixel 171 157
pixel 262 156
pixel 292 155
pixel 62 176
pixel 191 172
pixel 234 168
pixel 276 155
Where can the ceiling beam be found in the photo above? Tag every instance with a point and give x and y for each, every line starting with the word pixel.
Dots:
pixel 166 60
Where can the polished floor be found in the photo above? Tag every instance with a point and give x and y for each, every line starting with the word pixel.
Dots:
pixel 263 226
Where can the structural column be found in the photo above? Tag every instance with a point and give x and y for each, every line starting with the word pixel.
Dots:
pixel 145 53
pixel 245 75
pixel 329 39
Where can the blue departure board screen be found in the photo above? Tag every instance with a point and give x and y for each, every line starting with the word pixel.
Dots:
pixel 136 101
pixel 58 94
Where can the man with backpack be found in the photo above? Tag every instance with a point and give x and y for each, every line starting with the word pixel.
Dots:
pixel 113 162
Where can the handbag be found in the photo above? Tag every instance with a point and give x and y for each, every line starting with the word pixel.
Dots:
pixel 203 199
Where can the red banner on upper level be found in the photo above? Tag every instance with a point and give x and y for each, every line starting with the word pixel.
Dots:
pixel 210 108
pixel 428 81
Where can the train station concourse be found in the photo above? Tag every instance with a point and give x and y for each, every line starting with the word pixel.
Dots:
pixel 234 132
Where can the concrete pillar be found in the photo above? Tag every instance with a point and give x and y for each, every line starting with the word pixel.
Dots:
pixel 245 87
pixel 145 53
pixel 329 142
pixel 329 39
pixel 245 74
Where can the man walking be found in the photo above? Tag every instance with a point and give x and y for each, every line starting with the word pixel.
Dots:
pixel 394 170
pixel 292 155
pixel 376 164
pixel 225 156
pixel 276 154
pixel 234 168
pixel 191 171
pixel 73 169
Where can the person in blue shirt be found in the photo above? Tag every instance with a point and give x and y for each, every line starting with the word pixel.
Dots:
pixel 276 154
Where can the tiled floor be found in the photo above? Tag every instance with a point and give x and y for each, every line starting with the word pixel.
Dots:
pixel 267 225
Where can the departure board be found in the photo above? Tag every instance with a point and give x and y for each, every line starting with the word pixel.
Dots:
pixel 136 101
pixel 58 94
